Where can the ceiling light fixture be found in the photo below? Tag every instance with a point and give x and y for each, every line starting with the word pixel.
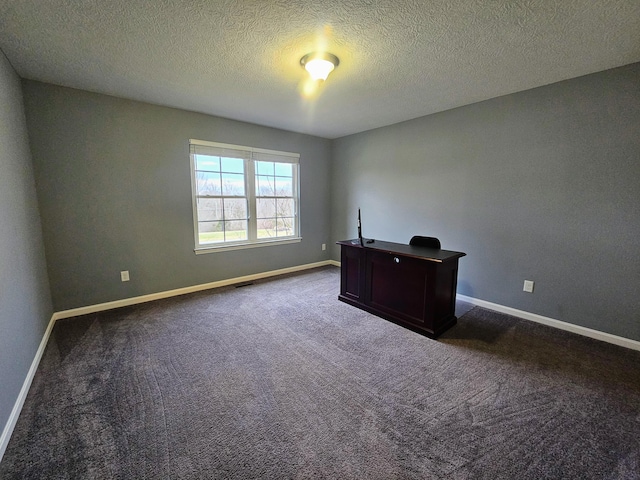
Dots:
pixel 319 64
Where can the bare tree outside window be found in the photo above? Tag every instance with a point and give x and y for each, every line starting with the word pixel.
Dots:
pixel 274 199
pixel 222 204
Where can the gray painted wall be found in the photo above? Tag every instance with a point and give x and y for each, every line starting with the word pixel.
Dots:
pixel 25 301
pixel 114 188
pixel 541 185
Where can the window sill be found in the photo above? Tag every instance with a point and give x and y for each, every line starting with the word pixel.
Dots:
pixel 242 246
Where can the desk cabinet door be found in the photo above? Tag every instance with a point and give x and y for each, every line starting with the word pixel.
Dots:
pixel 352 272
pixel 398 285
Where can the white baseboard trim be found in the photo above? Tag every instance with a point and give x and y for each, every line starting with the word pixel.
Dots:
pixel 17 407
pixel 569 327
pixel 74 312
pixel 334 263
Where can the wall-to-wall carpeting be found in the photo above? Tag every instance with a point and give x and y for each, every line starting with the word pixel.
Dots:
pixel 280 380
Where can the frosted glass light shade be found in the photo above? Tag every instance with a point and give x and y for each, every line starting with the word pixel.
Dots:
pixel 319 69
pixel 319 65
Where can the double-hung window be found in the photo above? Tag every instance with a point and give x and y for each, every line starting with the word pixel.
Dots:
pixel 243 196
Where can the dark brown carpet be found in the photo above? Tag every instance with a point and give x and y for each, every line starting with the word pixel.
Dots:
pixel 281 380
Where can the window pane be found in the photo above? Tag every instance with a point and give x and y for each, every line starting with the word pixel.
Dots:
pixel 206 162
pixel 284 187
pixel 284 227
pixel 235 230
pixel 267 224
pixel 208 183
pixel 210 232
pixel 266 227
pixel 285 207
pixel 209 209
pixel 264 168
pixel 233 184
pixel 265 186
pixel 284 169
pixel 235 209
pixel 232 165
pixel 266 207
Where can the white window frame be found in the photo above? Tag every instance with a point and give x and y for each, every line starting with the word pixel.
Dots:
pixel 250 156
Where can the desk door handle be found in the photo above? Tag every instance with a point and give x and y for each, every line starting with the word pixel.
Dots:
pixel 396 259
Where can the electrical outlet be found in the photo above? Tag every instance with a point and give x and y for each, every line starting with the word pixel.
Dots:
pixel 324 246
pixel 124 275
pixel 528 286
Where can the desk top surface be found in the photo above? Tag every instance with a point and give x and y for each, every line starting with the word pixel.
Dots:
pixel 431 254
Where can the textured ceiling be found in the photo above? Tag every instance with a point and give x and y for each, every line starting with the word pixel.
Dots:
pixel 399 59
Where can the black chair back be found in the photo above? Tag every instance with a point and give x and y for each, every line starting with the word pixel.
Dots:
pixel 430 242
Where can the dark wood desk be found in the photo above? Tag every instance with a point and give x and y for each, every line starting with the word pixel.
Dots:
pixel 412 286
